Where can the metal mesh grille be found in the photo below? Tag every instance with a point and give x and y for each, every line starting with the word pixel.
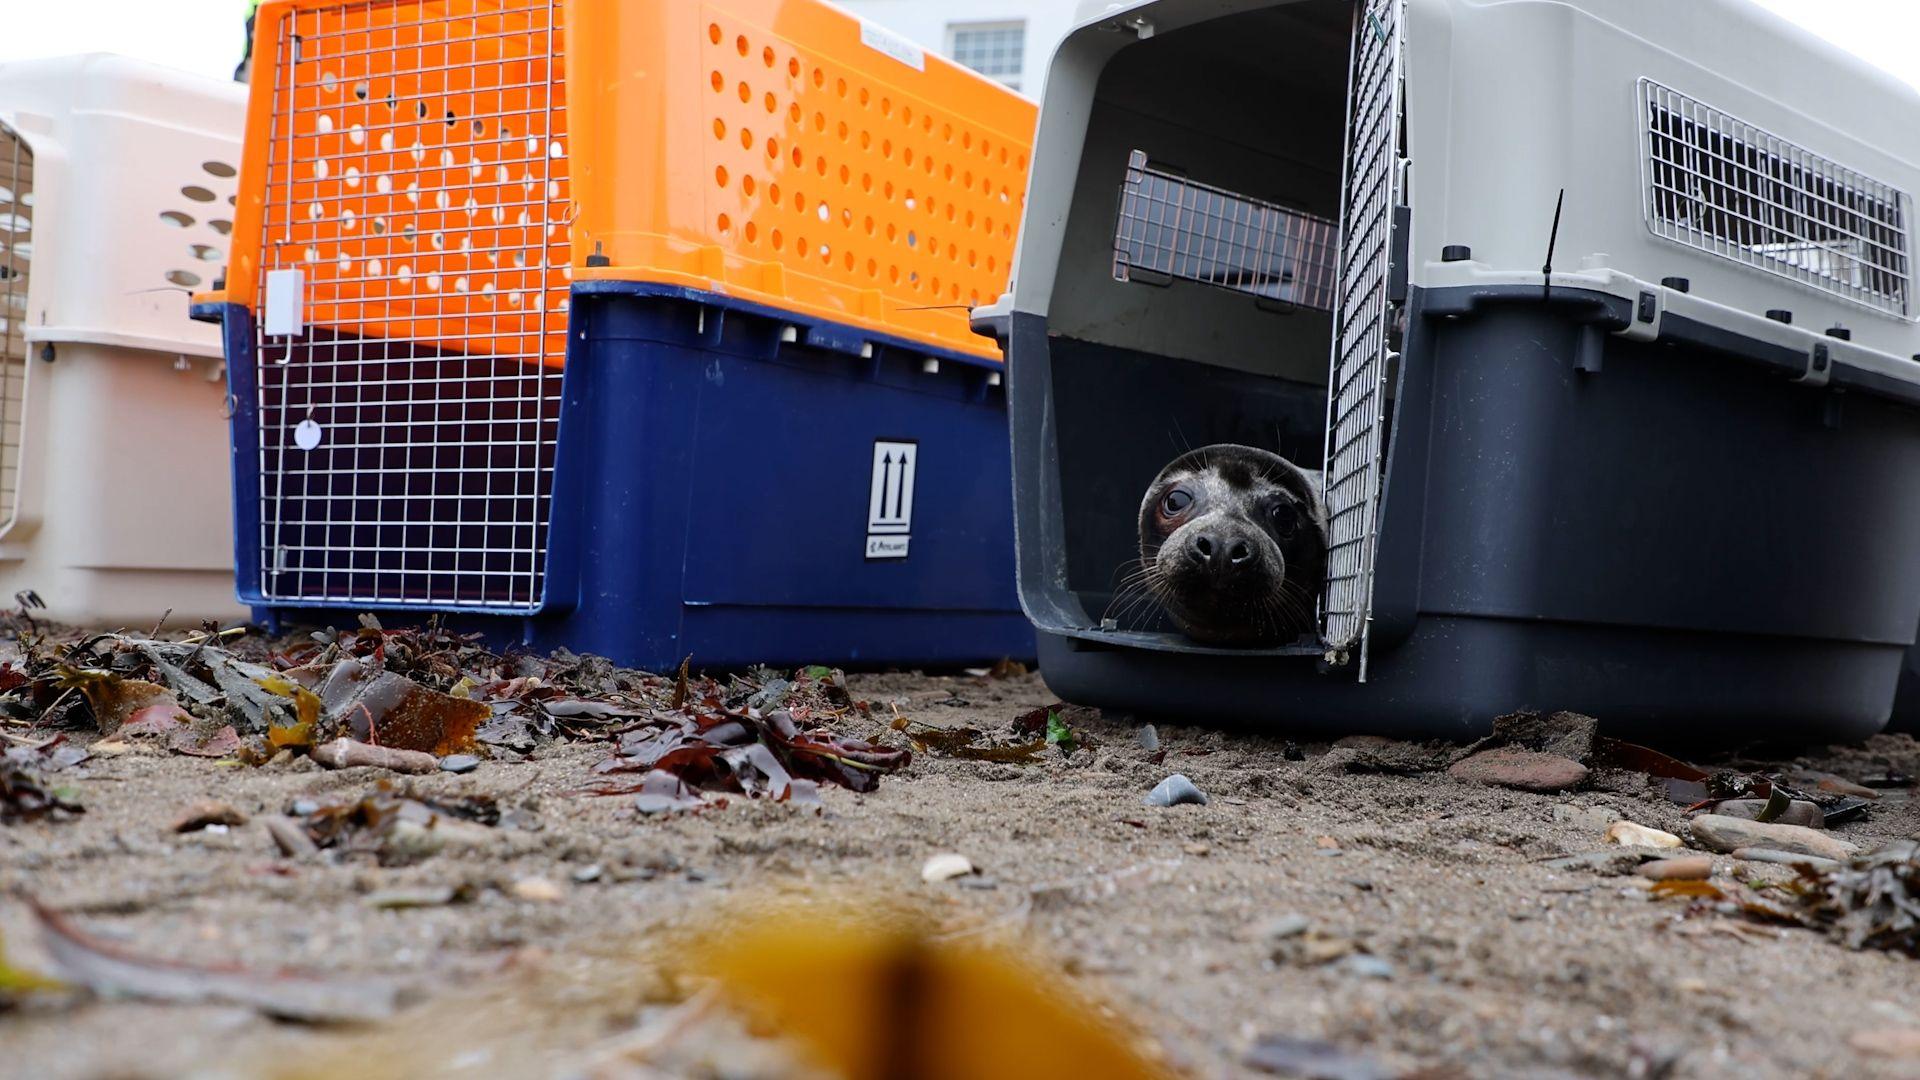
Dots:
pixel 1171 227
pixel 1360 358
pixel 16 254
pixel 1724 186
pixel 417 177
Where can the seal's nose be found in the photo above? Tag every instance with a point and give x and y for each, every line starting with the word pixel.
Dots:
pixel 1239 552
pixel 1204 548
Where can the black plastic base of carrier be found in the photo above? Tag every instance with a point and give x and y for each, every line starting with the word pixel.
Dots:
pixel 1452 678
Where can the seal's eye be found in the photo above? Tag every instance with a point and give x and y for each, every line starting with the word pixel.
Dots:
pixel 1176 502
pixel 1285 521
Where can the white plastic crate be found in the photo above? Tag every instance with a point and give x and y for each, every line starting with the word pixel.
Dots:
pixel 116 200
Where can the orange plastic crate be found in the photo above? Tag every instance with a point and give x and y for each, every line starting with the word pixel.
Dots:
pixel 423 164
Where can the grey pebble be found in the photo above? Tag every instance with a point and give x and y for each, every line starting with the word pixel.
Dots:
pixel 589 873
pixel 303 807
pixel 459 763
pixel 978 881
pixel 1786 858
pixel 1284 927
pixel 1149 738
pixel 1175 790
pixel 1367 967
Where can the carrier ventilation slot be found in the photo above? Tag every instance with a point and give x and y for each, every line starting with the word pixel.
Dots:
pixel 1360 323
pixel 1171 227
pixel 16 254
pixel 1726 187
pixel 417 177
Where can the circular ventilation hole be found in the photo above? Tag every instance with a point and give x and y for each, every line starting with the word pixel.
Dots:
pixel 379 226
pixel 719 128
pixel 770 104
pixel 719 82
pixel 373 268
pixel 197 194
pixel 433 282
pixel 329 82
pixel 713 33
pixel 746 185
pixel 404 273
pixel 348 221
pixel 386 140
pixel 313 254
pixel 357 135
pixel 205 252
pixel 361 90
pixel 823 213
pixel 740 44
pixel 219 168
pixel 793 69
pixel 720 175
pixel 383 184
pixel 320 168
pixel 726 225
pixel 171 217
pixel 556 151
pixel 766 56
pixel 752 232
pixel 746 93
pixel 183 278
pixel 353 176
pixel 316 211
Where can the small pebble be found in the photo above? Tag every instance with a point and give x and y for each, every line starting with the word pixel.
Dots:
pixel 537 889
pixel 303 807
pixel 1685 868
pixel 207 815
pixel 978 881
pixel 588 874
pixel 427 896
pixel 1798 812
pixel 1633 835
pixel 1786 858
pixel 945 867
pixel 459 763
pixel 1174 791
pixel 1366 967
pixel 1149 738
pixel 1727 834
pixel 1283 927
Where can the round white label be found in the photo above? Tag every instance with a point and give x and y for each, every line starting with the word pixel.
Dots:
pixel 306 435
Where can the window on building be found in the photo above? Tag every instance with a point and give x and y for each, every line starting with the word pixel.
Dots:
pixel 994 49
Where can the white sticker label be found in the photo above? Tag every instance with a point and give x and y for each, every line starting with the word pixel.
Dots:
pixel 886 41
pixel 286 303
pixel 306 434
pixel 890 498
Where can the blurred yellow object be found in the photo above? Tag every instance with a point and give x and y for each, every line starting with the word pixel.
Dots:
pixel 875 999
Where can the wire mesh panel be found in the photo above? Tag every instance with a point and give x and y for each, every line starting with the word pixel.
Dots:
pixel 16 255
pixel 1360 317
pixel 416 177
pixel 1723 186
pixel 1172 227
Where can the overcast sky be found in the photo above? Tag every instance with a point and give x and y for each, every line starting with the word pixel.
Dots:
pixel 205 35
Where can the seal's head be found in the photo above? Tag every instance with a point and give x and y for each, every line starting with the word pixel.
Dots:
pixel 1233 542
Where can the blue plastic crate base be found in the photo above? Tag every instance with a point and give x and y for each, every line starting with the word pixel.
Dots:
pixel 730 483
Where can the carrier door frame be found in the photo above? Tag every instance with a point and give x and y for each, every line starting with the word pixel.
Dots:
pixel 1371 224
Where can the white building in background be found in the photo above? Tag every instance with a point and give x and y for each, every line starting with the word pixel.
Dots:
pixel 1007 40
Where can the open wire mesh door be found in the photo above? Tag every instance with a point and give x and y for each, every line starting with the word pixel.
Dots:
pixel 1361 320
pixel 16 259
pixel 417 183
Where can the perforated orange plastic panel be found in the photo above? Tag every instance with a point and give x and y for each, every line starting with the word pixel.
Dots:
pixel 780 151
pixel 410 160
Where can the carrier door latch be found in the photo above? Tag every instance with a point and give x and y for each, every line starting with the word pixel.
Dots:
pixel 284 309
pixel 1397 256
